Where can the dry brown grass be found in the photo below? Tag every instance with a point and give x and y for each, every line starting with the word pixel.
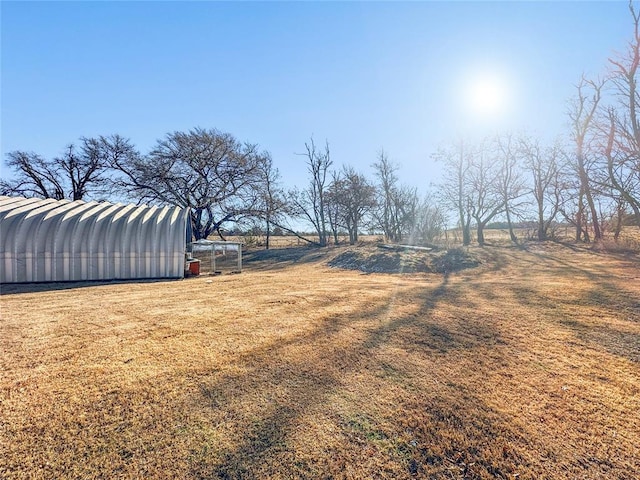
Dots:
pixel 526 367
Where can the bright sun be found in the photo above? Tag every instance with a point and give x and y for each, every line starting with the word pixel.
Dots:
pixel 487 95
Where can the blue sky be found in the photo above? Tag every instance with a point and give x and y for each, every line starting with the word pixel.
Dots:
pixel 363 75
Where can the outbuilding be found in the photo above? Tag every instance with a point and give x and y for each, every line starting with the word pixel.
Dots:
pixel 60 240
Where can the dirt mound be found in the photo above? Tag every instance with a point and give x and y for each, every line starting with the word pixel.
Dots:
pixel 371 260
pixel 292 254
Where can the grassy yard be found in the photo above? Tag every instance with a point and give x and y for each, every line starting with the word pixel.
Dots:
pixel 525 367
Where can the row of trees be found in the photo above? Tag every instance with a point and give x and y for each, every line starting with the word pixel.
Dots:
pixel 223 181
pixel 219 178
pixel 346 200
pixel 606 133
pixel 590 180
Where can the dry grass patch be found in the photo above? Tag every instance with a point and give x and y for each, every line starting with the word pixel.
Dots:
pixel 527 366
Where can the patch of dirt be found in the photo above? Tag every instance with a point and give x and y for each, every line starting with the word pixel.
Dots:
pixel 276 255
pixel 375 260
pixel 278 258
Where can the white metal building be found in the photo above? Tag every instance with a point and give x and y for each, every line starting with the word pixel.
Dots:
pixel 55 241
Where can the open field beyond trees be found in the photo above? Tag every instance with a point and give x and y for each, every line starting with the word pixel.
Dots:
pixel 526 366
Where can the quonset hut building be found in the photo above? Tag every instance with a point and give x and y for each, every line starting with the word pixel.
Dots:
pixel 60 240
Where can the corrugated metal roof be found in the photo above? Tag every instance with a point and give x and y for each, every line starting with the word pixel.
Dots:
pixel 51 240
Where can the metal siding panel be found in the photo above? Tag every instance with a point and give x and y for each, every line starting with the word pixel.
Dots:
pixel 28 245
pixel 153 240
pixel 67 237
pixel 96 239
pixel 20 227
pixel 78 242
pixel 156 243
pixel 110 232
pixel 40 246
pixel 105 253
pixel 8 242
pixel 134 247
pixel 176 242
pixel 44 240
pixel 163 241
pixel 179 244
pixel 48 238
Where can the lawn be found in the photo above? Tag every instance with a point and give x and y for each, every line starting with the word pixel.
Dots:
pixel 527 366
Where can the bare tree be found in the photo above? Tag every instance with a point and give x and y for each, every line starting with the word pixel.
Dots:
pixel 621 127
pixel 510 183
pixel 353 197
pixel 454 192
pixel 396 203
pixel 311 203
pixel 544 167
pixel 75 175
pixel 35 177
pixel 406 209
pixel 334 207
pixel 623 166
pixel 486 198
pixel 271 202
pixel 207 171
pixel 385 172
pixel 582 114
pixel 429 222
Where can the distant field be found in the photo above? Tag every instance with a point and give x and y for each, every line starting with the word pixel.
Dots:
pixel 525 367
pixel 630 238
pixel 287 241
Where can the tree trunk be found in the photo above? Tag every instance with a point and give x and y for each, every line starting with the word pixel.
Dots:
pixel 579 217
pixel 268 235
pixel 512 235
pixel 323 232
pixel 619 218
pixel 196 224
pixel 597 232
pixel 480 232
pixel 466 233
pixel 582 119
pixel 542 229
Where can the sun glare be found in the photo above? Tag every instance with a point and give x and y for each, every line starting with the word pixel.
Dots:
pixel 487 95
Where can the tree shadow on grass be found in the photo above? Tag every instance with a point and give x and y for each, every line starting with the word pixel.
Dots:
pixel 425 333
pixel 571 264
pixel 615 341
pixel 601 292
pixel 286 389
pixel 19 288
pixel 259 404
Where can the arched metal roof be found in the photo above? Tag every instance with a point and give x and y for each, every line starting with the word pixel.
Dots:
pixel 53 241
